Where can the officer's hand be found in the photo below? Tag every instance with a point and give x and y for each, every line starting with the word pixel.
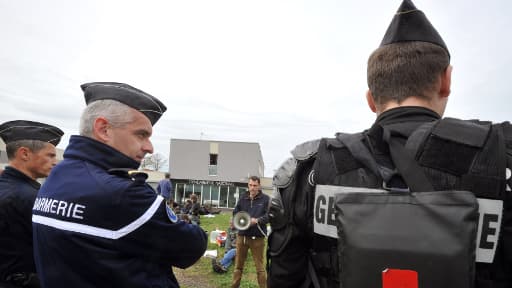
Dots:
pixel 254 221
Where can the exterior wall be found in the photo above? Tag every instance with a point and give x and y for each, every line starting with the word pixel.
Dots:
pixel 266 186
pixel 189 163
pixel 154 177
pixel 189 159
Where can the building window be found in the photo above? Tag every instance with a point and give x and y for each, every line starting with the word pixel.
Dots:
pixel 212 168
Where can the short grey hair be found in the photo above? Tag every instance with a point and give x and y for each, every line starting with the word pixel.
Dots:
pixel 32 145
pixel 117 114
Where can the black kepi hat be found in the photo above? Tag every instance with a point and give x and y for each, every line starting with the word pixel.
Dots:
pixel 29 130
pixel 411 24
pixel 137 99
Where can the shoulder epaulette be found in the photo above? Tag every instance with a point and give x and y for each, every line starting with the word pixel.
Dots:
pixel 136 175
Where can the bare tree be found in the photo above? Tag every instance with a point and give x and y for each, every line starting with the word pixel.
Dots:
pixel 153 162
pixel 159 161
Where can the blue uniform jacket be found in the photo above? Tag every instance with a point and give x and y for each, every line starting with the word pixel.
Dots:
pixel 17 194
pixel 94 229
pixel 257 208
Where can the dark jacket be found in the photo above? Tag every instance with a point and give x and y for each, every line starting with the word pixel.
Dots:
pixel 290 249
pixel 17 194
pixel 257 208
pixel 96 229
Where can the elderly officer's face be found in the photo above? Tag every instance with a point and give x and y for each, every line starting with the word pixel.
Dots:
pixel 133 139
pixel 41 162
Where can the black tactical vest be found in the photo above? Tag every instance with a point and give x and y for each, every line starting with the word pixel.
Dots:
pixel 453 154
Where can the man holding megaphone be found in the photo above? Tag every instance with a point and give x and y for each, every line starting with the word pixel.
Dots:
pixel 250 217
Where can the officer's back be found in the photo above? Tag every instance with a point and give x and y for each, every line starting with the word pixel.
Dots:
pixel 409 80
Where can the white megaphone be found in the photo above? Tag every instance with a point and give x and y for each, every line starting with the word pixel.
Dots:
pixel 242 220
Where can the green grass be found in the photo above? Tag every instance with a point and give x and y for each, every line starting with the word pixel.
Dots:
pixel 203 267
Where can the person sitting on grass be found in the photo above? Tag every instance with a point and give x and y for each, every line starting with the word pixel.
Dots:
pixel 230 248
pixel 194 210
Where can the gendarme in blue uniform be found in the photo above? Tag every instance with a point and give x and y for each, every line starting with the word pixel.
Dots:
pixel 17 194
pixel 95 229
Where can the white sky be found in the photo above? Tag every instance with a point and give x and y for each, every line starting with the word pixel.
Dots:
pixel 269 71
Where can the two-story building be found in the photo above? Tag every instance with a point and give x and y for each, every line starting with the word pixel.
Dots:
pixel 216 171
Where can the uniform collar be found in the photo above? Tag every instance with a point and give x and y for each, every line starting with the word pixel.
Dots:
pixel 412 115
pixel 407 113
pixel 100 154
pixel 11 172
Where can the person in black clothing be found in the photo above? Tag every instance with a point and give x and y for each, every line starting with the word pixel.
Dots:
pixel 186 207
pixel 409 80
pixel 30 148
pixel 256 204
pixel 195 210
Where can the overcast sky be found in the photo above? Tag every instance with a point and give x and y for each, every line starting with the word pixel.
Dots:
pixel 274 72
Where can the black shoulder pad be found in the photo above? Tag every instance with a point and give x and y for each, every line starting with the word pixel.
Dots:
pixel 333 143
pixel 507 131
pixel 473 133
pixel 283 176
pixel 306 150
pixel 129 173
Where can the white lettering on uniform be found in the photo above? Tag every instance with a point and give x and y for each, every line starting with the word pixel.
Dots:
pixel 79 209
pixel 69 210
pixel 508 174
pixel 59 207
pixel 46 206
pixel 36 203
pixel 62 206
pixel 324 217
pixel 490 214
pixel 54 206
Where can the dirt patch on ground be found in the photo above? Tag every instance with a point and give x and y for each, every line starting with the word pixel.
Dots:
pixel 191 280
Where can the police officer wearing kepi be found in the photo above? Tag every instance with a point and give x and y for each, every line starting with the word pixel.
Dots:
pixel 256 204
pixel 96 222
pixel 30 148
pixel 409 77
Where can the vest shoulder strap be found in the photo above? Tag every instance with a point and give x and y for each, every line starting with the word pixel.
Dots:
pixel 345 160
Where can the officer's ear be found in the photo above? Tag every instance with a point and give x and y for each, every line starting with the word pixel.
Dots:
pixel 23 153
pixel 446 81
pixel 100 129
pixel 371 102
